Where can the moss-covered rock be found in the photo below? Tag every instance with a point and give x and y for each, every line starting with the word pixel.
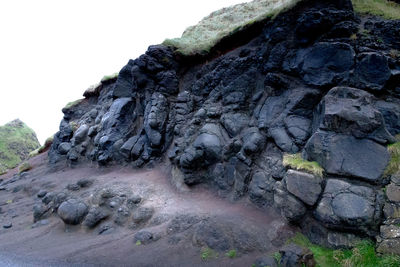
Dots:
pixel 17 140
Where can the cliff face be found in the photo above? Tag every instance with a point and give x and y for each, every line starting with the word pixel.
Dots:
pixel 316 80
pixel 16 141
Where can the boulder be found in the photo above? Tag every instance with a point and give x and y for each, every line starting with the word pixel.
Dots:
pixel 125 84
pixel 72 211
pixel 234 122
pixel 346 155
pixel 80 134
pixel 351 111
pixel 347 206
pixel 306 187
pixel 253 141
pixel 323 64
pixel 95 216
pixel 64 148
pixel 291 208
pixel 372 71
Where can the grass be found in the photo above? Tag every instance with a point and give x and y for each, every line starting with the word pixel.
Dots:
pixel 199 39
pixel 231 254
pixel 363 255
pixel 295 161
pixel 138 243
pixel 17 140
pixel 109 77
pixel 73 103
pixel 382 8
pixel 24 167
pixel 207 253
pixel 394 163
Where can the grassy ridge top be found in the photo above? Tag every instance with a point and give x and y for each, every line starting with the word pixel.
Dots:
pixel 199 39
pixel 16 141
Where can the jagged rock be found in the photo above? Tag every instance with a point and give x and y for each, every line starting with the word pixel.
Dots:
pixel 390 231
pixel 390 246
pixel 125 85
pixel 306 187
pixel 347 206
pixel 393 192
pixel 72 211
pixel 142 215
pixel 346 155
pixel 351 111
pixel 253 141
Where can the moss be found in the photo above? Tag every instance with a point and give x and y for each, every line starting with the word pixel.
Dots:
pixel 207 254
pixel 17 140
pixel 73 104
pixel 383 8
pixel 363 255
pixel 295 161
pixel 394 163
pixel 199 39
pixel 109 77
pixel 231 254
pixel 24 167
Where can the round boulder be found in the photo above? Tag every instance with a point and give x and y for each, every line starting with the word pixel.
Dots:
pixel 72 211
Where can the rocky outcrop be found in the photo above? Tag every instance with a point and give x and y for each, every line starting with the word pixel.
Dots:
pixel 301 86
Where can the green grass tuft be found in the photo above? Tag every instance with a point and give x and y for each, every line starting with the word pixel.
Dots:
pixel 231 254
pixel 73 103
pixel 207 254
pixel 363 255
pixel 394 163
pixel 382 8
pixel 109 77
pixel 199 39
pixel 295 161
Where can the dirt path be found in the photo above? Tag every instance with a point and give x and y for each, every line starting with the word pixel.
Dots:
pixel 49 242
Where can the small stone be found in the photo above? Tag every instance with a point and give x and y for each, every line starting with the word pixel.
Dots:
pixel 41 193
pixel 393 192
pixel 144 237
pixel 390 231
pixel 73 187
pixel 85 182
pixel 7 225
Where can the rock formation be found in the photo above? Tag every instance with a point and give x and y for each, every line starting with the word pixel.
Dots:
pixel 308 81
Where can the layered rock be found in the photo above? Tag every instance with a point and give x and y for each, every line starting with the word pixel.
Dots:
pixel 301 85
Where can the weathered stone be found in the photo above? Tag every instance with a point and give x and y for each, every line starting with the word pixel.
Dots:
pixel 393 192
pixel 390 246
pixel 346 155
pixel 95 216
pixel 293 255
pixel 390 231
pixel 306 187
pixel 372 71
pixel 72 211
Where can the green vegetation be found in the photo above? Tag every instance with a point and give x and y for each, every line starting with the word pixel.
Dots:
pixel 138 243
pixel 231 253
pixel 295 161
pixel 383 8
pixel 394 163
pixel 363 255
pixel 16 142
pixel 199 39
pixel 73 103
pixel 45 147
pixel 109 77
pixel 24 167
pixel 207 253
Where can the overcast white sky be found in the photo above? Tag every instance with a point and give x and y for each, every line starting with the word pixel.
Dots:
pixel 52 50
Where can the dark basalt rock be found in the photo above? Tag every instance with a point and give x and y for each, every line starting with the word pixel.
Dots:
pixel 72 211
pixel 299 84
pixel 346 155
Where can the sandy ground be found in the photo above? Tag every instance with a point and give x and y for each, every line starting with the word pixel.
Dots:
pixel 55 244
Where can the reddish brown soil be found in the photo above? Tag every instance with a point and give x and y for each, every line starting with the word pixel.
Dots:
pixel 56 244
